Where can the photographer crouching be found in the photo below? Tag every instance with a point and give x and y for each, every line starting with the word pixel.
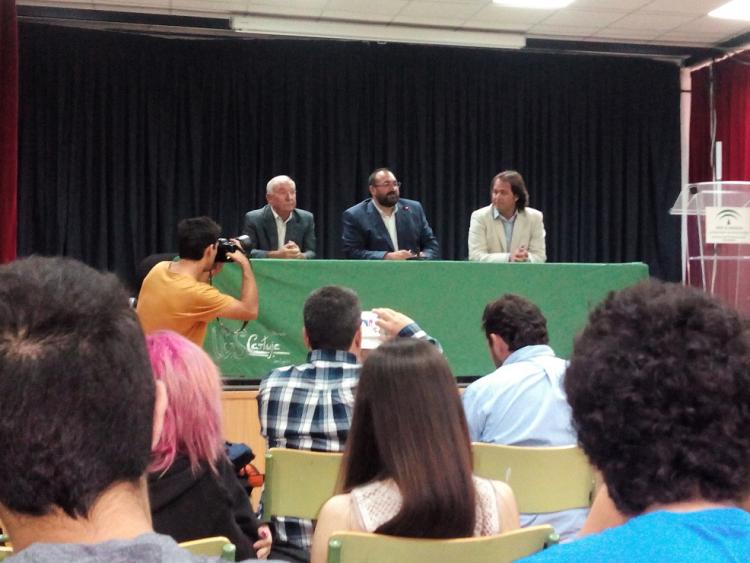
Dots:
pixel 176 296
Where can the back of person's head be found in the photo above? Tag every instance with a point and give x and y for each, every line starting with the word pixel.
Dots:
pixel 194 235
pixel 192 422
pixel 76 391
pixel 517 186
pixel 332 316
pixel 659 385
pixel 518 321
pixel 409 425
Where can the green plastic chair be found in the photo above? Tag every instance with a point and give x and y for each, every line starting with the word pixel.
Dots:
pixel 542 479
pixel 217 546
pixel 298 482
pixel 5 550
pixel 362 547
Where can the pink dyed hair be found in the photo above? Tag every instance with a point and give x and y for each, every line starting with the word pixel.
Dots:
pixel 192 423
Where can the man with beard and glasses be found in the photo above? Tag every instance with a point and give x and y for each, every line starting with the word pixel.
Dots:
pixel 387 227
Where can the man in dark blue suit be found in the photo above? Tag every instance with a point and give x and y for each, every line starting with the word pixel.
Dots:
pixel 280 230
pixel 386 227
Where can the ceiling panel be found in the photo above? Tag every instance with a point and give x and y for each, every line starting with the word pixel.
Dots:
pixel 567 18
pixel 436 21
pixel 219 6
pixel 619 5
pixel 493 13
pixel 356 16
pixel 657 22
pixel 731 27
pixel 303 4
pixel 290 11
pixel 380 7
pixel 630 34
pixel 690 38
pixel 450 10
pixel 568 32
pixel 696 7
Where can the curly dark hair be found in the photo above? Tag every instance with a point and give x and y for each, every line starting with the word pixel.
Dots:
pixel 659 384
pixel 518 321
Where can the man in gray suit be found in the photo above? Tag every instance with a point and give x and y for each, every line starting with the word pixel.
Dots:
pixel 507 230
pixel 279 230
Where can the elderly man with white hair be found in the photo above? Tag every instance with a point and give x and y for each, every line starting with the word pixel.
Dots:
pixel 279 229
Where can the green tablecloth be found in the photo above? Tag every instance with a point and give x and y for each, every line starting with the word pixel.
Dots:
pixel 445 298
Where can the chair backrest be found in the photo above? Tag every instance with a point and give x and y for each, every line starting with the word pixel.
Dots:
pixel 5 550
pixel 298 482
pixel 362 547
pixel 542 479
pixel 217 546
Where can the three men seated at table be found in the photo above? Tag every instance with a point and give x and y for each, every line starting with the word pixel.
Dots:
pixel 388 227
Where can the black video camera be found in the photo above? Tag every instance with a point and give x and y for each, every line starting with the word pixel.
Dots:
pixel 226 247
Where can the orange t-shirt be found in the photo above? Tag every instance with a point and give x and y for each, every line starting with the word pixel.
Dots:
pixel 172 301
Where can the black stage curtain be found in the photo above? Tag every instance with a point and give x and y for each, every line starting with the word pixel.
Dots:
pixel 122 135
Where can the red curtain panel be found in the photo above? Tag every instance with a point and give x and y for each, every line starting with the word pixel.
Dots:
pixel 8 129
pixel 732 96
pixel 731 78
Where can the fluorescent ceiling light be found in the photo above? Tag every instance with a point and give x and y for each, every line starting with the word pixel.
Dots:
pixel 392 33
pixel 734 10
pixel 534 4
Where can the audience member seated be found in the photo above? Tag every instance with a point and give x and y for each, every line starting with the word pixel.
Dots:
pixel 522 403
pixel 407 468
pixel 79 412
pixel 309 406
pixel 659 385
pixel 193 488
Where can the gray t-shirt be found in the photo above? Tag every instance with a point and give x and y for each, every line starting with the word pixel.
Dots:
pixel 146 548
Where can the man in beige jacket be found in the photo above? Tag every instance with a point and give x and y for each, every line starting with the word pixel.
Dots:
pixel 507 230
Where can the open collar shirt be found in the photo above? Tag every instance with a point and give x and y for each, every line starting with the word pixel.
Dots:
pixel 389 221
pixel 508 224
pixel 280 227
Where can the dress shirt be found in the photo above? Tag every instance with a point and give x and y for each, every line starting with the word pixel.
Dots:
pixel 522 403
pixel 508 225
pixel 389 221
pixel 309 407
pixel 280 227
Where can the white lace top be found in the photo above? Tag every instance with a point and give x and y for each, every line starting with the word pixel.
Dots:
pixel 377 502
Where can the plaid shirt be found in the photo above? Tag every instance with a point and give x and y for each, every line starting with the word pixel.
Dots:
pixel 309 407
